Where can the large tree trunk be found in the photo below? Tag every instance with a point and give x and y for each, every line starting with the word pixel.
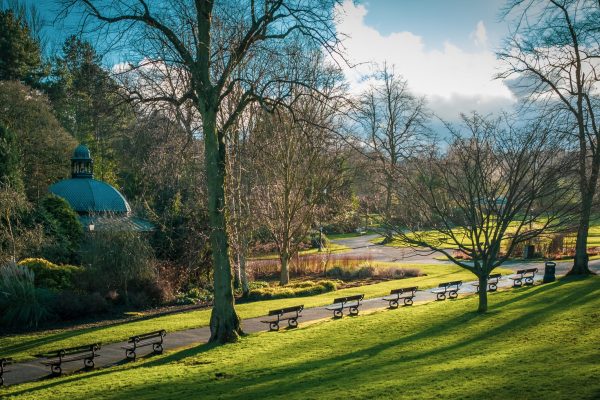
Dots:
pixel 483 303
pixel 224 322
pixel 580 264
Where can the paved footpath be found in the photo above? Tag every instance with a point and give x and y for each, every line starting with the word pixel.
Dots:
pixel 113 354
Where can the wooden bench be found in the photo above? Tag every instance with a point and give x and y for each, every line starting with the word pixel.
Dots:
pixel 404 294
pixel 492 283
pixel 56 358
pixel 291 318
pixel 3 363
pixel 526 275
pixel 154 339
pixel 352 303
pixel 451 288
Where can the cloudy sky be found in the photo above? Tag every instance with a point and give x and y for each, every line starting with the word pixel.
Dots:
pixel 445 49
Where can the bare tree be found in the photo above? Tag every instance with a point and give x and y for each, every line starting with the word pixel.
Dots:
pixel 392 127
pixel 298 172
pixel 219 46
pixel 554 53
pixel 494 187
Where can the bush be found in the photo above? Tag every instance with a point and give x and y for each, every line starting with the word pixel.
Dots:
pixel 195 296
pixel 69 305
pixel 116 260
pixel 52 276
pixel 21 303
pixel 297 289
pixel 63 225
pixel 369 271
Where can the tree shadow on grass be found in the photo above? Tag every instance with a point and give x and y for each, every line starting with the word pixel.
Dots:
pixel 334 369
pixel 539 310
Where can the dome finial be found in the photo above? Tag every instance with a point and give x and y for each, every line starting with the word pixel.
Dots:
pixel 82 165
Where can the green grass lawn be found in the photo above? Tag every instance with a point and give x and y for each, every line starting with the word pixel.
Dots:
pixel 534 343
pixel 334 248
pixel 22 346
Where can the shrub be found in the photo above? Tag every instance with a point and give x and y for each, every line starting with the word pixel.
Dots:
pixel 115 260
pixel 52 276
pixel 69 305
pixel 296 289
pixel 21 303
pixel 195 296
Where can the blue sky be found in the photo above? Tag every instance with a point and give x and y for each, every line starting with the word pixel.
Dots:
pixel 444 48
pixel 437 21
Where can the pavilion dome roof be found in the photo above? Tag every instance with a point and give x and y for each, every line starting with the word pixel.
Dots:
pixel 88 195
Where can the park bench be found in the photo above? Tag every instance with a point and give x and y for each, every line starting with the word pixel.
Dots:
pixel 492 282
pixel 3 363
pixel 404 294
pixel 154 339
pixel 352 303
pixel 293 313
pixel 451 288
pixel 56 358
pixel 526 275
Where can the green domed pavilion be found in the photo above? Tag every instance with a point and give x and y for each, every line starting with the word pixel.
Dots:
pixel 99 205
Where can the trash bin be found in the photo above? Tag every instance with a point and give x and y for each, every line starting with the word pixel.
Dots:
pixel 549 272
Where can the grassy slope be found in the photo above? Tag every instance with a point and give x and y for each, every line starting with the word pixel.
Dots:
pixel 23 346
pixel 334 248
pixel 538 343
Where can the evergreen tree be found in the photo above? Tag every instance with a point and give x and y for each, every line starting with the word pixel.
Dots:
pixel 21 58
pixel 86 103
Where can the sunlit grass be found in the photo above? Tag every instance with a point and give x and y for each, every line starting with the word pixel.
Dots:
pixel 538 343
pixel 24 345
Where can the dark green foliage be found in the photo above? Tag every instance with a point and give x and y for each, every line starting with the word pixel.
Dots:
pixel 69 305
pixel 52 276
pixel 44 147
pixel 10 170
pixel 66 220
pixel 22 305
pixel 21 56
pixel 297 289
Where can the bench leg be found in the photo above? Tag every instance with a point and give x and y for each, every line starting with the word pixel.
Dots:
pixel 157 348
pixel 493 287
pixel 529 281
pixel 517 283
pixel 1 381
pixel 293 323
pixel 273 326
pixel 130 354
pixel 408 301
pixel 56 369
pixel 453 294
pixel 393 304
pixel 89 363
pixel 353 311
pixel 441 296
pixel 338 314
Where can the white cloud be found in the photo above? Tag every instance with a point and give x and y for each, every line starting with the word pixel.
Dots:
pixel 479 36
pixel 452 78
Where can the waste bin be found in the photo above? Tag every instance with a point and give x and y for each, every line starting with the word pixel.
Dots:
pixel 549 272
